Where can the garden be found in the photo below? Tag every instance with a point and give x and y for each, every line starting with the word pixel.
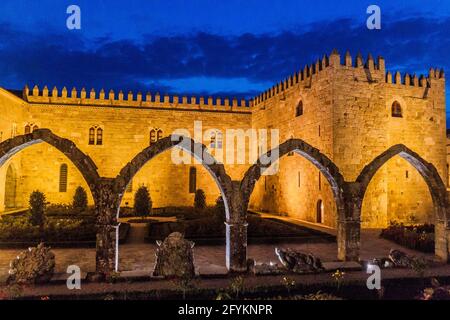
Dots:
pixel 55 224
pixel 205 225
pixel 416 237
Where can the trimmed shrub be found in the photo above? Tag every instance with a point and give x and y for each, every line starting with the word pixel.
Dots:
pixel 199 200
pixel 37 208
pixel 142 202
pixel 80 201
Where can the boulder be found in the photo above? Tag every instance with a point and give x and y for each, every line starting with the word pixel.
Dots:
pixel 298 262
pixel 36 265
pixel 175 257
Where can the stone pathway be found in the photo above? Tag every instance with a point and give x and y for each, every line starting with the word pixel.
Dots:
pixel 138 256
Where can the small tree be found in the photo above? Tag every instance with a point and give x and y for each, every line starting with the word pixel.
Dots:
pixel 199 200
pixel 80 199
pixel 142 202
pixel 37 209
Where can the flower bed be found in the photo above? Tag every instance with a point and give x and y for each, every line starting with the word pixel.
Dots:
pixel 420 237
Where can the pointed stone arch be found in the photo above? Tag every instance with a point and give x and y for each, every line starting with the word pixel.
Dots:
pixel 196 150
pixel 83 162
pixel 431 177
pixel 318 159
pixel 113 190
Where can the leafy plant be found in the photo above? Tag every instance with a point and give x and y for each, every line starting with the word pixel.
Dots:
pixel 338 277
pixel 288 283
pixel 142 202
pixel 237 286
pixel 199 200
pixel 80 201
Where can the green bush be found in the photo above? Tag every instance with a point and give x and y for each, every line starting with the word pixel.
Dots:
pixel 142 202
pixel 199 200
pixel 20 229
pixel 37 208
pixel 80 201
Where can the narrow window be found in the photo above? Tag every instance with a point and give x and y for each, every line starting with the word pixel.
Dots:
pixel 219 140
pixel 407 174
pixel 99 136
pixel 92 136
pixel 299 109
pixel 27 129
pixel 320 181
pixel 155 135
pixel 213 140
pixel 192 180
pixel 63 178
pixel 159 135
pixel 396 110
pixel 299 179
pixel 319 130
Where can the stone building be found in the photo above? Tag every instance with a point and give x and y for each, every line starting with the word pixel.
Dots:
pixel 348 111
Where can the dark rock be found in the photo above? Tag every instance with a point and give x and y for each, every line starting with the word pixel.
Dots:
pixel 400 259
pixel 299 262
pixel 175 257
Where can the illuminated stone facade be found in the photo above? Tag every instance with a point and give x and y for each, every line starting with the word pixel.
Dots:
pixel 348 111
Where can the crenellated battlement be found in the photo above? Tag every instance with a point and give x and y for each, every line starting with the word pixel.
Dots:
pixel 375 68
pixel 414 80
pixel 119 99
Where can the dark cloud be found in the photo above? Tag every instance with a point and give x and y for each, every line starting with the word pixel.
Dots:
pixel 413 44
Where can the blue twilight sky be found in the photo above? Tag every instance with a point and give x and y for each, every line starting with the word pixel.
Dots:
pixel 209 47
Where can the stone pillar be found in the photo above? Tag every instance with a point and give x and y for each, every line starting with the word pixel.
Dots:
pixel 236 251
pixel 348 239
pixel 236 231
pixel 442 240
pixel 349 223
pixel 106 207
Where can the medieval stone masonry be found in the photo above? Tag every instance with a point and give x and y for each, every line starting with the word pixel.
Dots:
pixel 359 147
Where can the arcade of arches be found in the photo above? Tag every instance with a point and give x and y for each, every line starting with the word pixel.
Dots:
pixel 345 212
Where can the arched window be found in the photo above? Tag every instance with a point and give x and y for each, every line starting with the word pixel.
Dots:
pixel 63 178
pixel 95 136
pixel 99 136
pixel 216 140
pixel 319 211
pixel 192 180
pixel 35 127
pixel 396 110
pixel 159 135
pixel 299 109
pixel 155 135
pixel 27 129
pixel 92 136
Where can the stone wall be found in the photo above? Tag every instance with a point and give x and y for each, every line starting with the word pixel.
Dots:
pixel 346 115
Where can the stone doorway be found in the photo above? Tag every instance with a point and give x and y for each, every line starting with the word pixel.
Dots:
pixel 319 211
